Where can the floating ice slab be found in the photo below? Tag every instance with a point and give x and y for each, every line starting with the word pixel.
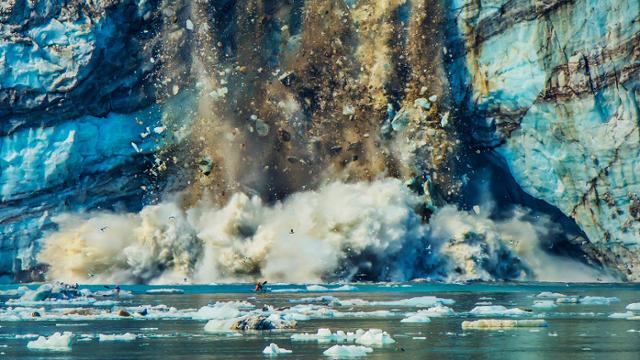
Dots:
pixel 437 311
pixel 550 295
pixel 249 322
pixel 624 315
pixel 274 349
pixel 544 304
pixel 55 342
pixel 502 324
pixel 633 307
pixel 494 310
pixel 416 319
pixel 375 337
pixel 422 301
pixel 117 337
pixel 598 300
pixel 164 291
pixel 347 351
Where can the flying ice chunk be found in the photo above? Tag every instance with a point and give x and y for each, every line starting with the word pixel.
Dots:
pixel 117 337
pixel 274 349
pixel 375 337
pixel 417 318
pixel 164 291
pixel 633 307
pixel 347 351
pixel 55 342
pixel 502 324
pixel 422 301
pixel 544 304
pixel 494 310
pixel 598 300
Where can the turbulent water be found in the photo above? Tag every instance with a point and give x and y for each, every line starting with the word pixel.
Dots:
pixel 595 324
pixel 339 232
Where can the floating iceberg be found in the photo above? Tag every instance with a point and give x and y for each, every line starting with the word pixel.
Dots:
pixel 437 311
pixel 502 324
pixel 544 304
pixel 598 300
pixel 375 337
pixel 274 349
pixel 55 342
pixel 249 322
pixel 422 301
pixel 117 337
pixel 164 291
pixel 417 318
pixel 550 295
pixel 347 351
pixel 633 307
pixel 494 310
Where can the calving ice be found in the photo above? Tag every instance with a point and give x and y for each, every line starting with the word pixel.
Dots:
pixel 245 175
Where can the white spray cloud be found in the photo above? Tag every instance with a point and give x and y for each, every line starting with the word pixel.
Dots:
pixel 340 231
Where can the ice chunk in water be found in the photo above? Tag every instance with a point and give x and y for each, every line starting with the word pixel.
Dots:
pixel 375 337
pixel 55 342
pixel 164 291
pixel 550 295
pixel 422 301
pixel 274 349
pixel 346 351
pixel 494 310
pixel 544 304
pixel 417 318
pixel 598 300
pixel 502 323
pixel 633 307
pixel 117 337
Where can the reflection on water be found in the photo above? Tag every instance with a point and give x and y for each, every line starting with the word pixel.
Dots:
pixel 576 331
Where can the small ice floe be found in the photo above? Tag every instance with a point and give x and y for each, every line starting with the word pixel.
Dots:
pixel 222 310
pixel 56 342
pixel 568 300
pixel 249 322
pixel 483 303
pixel 598 300
pixel 437 311
pixel 502 324
pixel 369 337
pixel 633 307
pixel 375 337
pixel 14 292
pixel 417 318
pixel 624 315
pixel 496 310
pixel 422 301
pixel 117 337
pixel 550 295
pixel 26 336
pixel 164 291
pixel 552 334
pixel 347 351
pixel 328 300
pixel 419 338
pixel 544 304
pixel 274 349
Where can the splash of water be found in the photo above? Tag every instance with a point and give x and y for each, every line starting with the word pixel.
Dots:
pixel 338 232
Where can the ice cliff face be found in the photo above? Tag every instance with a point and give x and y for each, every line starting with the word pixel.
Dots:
pixel 107 104
pixel 553 87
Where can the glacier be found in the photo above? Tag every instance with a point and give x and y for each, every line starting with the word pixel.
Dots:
pixel 111 106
